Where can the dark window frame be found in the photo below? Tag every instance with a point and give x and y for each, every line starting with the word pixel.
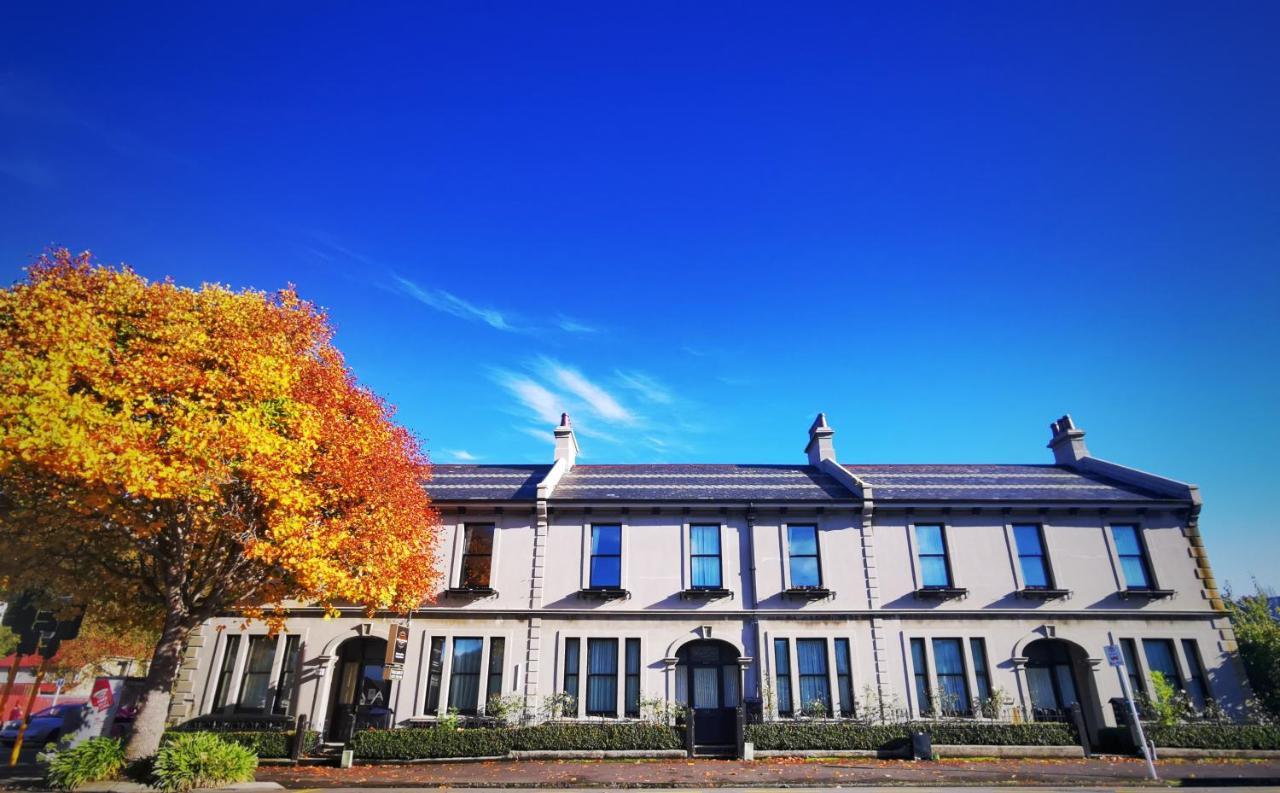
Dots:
pixel 1129 651
pixel 1143 556
pixel 632 694
pixel 946 555
pixel 822 679
pixel 920 674
pixel 283 703
pixel 468 554
pixel 842 646
pixel 230 653
pixel 816 556
pixel 1196 675
pixel 591 561
pixel 964 707
pixel 718 556
pixel 981 668
pixel 435 676
pixel 782 677
pixel 572 672
pixel 497 660
pixel 1043 556
pixel 1172 647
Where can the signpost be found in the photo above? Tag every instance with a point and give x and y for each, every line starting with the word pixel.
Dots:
pixel 1115 658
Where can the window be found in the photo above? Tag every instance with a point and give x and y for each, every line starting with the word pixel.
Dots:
pixel 464 675
pixel 802 551
pixel 1131 668
pixel 256 681
pixel 782 675
pixel 953 686
pixel 477 556
pixel 704 557
pixel 1133 557
pixel 1029 538
pixel 230 650
pixel 1160 659
pixel 602 677
pixel 571 664
pixel 633 679
pixel 606 557
pixel 1197 685
pixel 981 673
pixel 497 649
pixel 844 677
pixel 288 673
pixel 435 672
pixel 815 687
pixel 931 548
pixel 920 670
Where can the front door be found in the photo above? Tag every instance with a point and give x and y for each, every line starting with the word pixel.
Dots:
pixel 361 698
pixel 713 693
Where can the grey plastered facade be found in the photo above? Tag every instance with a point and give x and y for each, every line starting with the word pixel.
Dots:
pixel 875 621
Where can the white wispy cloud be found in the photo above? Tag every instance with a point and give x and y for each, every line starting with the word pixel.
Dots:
pixel 461 455
pixel 571 325
pixel 646 386
pixel 598 400
pixel 450 303
pixel 533 397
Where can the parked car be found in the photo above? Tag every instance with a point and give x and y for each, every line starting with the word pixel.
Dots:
pixel 46 725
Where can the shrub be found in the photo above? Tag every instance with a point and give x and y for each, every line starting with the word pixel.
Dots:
pixel 201 759
pixel 855 735
pixel 263 743
pixel 408 743
pixel 1214 736
pixel 95 760
pixel 417 743
pixel 607 736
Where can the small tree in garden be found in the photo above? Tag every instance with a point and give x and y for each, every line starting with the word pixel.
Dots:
pixel 1258 636
pixel 169 453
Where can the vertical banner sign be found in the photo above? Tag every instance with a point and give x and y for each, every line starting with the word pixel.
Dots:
pixel 397 645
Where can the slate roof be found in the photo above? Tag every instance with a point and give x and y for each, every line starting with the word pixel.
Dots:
pixel 699 483
pixel 485 482
pixel 991 483
pixel 800 483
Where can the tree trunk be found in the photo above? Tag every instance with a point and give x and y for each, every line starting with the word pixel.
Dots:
pixel 148 726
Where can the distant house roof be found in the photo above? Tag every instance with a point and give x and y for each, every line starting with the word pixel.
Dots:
pixel 991 483
pixel 699 483
pixel 801 483
pixel 486 482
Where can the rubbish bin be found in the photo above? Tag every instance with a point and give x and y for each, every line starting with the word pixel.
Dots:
pixel 921 746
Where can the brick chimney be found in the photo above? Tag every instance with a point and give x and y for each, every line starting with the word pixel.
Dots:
pixel 566 443
pixel 820 447
pixel 1068 442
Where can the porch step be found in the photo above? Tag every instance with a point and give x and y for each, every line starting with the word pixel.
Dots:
pixel 715 750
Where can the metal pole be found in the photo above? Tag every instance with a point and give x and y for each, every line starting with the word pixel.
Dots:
pixel 1133 714
pixel 26 719
pixel 8 686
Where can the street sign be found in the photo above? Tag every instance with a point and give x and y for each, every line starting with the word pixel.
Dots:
pixel 397 645
pixel 1114 656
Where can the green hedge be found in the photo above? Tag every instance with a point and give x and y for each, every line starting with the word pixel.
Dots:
pixel 853 735
pixel 598 736
pixel 264 743
pixel 1214 736
pixel 416 743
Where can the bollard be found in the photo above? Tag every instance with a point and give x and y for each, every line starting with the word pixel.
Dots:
pixel 299 744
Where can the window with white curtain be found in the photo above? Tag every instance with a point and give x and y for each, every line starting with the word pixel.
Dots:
pixel 602 677
pixel 815 687
pixel 953 686
pixel 464 675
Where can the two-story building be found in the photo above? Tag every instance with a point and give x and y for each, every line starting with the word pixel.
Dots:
pixel 820 589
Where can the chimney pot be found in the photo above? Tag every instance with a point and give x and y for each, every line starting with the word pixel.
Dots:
pixel 566 442
pixel 1067 442
pixel 821 447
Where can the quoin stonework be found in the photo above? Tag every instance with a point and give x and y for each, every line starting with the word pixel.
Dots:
pixel 816 590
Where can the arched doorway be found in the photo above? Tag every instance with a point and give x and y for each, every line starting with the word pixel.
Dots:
pixel 358 696
pixel 708 680
pixel 1059 675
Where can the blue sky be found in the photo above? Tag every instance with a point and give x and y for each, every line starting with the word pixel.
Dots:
pixel 694 225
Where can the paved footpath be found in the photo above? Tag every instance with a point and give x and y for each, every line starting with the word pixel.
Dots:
pixel 1098 773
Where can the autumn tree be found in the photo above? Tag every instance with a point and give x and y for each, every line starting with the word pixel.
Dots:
pixel 168 454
